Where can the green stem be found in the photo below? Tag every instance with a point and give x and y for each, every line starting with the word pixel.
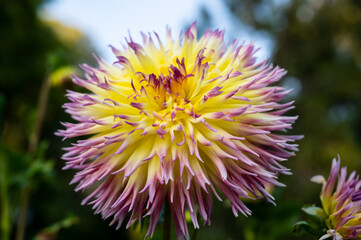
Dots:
pixel 42 104
pixel 196 230
pixel 25 196
pixel 33 145
pixel 195 233
pixel 4 200
pixel 167 222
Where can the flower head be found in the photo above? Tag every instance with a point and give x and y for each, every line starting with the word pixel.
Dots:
pixel 341 203
pixel 178 121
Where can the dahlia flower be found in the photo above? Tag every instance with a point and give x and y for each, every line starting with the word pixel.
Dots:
pixel 178 122
pixel 341 203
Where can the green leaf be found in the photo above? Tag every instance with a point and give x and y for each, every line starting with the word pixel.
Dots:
pixel 40 169
pixel 301 228
pixel 25 169
pixel 52 231
pixel 315 224
pixel 41 150
pixel 316 212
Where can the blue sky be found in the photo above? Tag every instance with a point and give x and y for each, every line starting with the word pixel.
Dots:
pixel 107 22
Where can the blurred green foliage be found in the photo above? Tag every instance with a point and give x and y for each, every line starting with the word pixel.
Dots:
pixel 317 41
pixel 34 49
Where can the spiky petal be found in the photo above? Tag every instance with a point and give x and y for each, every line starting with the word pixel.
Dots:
pixel 177 122
pixel 341 203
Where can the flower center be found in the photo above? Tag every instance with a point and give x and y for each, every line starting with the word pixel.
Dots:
pixel 165 95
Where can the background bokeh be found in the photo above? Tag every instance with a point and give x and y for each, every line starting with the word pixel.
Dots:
pixel 317 41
